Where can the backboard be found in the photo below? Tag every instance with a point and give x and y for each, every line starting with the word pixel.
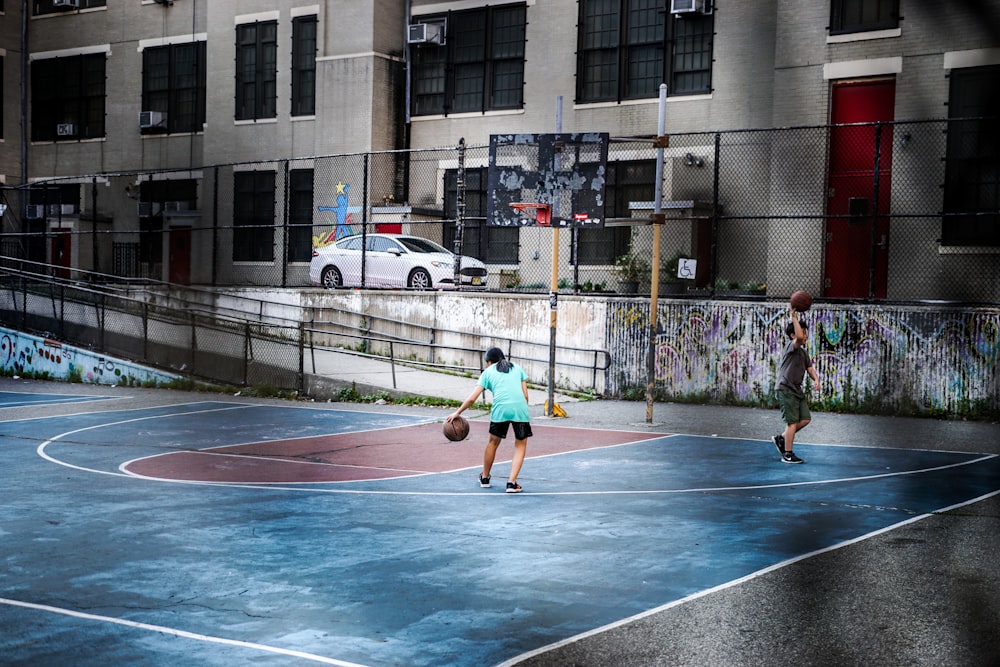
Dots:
pixel 565 171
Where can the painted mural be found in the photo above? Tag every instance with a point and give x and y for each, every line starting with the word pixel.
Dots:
pixel 876 359
pixel 30 356
pixel 343 218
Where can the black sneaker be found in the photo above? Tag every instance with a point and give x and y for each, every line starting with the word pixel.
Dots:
pixel 513 487
pixel 779 442
pixel 484 481
pixel 790 457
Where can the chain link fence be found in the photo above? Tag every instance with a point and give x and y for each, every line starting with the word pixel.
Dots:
pixel 868 212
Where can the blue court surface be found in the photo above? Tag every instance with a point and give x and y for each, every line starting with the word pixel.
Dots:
pixel 418 568
pixel 12 399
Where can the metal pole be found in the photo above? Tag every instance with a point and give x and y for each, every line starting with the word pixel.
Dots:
pixel 655 278
pixel 459 214
pixel 550 410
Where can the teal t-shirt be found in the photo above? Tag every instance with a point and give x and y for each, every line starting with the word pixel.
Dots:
pixel 508 397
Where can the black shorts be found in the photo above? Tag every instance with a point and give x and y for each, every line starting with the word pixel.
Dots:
pixel 522 430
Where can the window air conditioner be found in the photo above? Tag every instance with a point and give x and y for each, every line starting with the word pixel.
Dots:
pixel 148 119
pixel 35 211
pixel 65 129
pixel 689 6
pixel 71 4
pixel 147 209
pixel 426 33
pixel 67 209
pixel 175 206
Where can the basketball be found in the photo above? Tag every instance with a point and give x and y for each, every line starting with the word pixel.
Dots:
pixel 801 301
pixel 457 429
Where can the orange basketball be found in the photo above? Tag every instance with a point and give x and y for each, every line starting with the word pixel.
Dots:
pixel 801 301
pixel 457 429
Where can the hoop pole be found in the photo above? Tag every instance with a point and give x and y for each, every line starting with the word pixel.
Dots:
pixel 655 278
pixel 554 285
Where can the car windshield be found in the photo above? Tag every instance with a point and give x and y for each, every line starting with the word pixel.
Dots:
pixel 414 244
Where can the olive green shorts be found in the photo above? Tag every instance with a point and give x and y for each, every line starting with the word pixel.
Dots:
pixel 793 408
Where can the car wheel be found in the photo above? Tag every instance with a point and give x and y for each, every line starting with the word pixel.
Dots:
pixel 419 279
pixel 331 278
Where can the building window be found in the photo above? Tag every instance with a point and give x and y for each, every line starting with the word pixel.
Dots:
pixel 491 244
pixel 626 182
pixel 256 70
pixel 67 98
pixel 173 83
pixel 253 216
pixel 627 48
pixel 300 215
pixel 847 16
pixel 40 7
pixel 480 67
pixel 304 66
pixel 972 163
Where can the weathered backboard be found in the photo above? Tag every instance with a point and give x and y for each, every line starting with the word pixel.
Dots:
pixel 565 171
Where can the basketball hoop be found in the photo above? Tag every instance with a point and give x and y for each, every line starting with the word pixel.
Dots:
pixel 541 213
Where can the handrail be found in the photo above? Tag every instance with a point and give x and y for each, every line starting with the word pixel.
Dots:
pixel 126 300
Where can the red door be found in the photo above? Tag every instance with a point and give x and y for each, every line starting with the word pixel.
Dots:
pixel 179 267
pixel 61 256
pixel 857 233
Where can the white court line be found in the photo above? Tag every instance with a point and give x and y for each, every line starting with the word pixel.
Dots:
pixel 279 486
pixel 179 633
pixel 729 584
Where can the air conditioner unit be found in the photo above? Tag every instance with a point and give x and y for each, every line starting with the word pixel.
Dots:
pixel 690 6
pixel 65 129
pixel 146 209
pixel 175 206
pixel 148 119
pixel 68 4
pixel 35 211
pixel 67 209
pixel 426 33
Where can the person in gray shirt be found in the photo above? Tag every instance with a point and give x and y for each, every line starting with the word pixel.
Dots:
pixel 794 364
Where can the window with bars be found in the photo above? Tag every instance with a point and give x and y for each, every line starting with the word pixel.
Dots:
pixel 300 215
pixel 480 67
pixel 256 70
pixel 304 65
pixel 253 216
pixel 627 48
pixel 626 182
pixel 493 245
pixel 972 161
pixel 847 16
pixel 67 98
pixel 173 82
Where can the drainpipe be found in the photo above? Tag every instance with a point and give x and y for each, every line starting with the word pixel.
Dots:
pixel 24 114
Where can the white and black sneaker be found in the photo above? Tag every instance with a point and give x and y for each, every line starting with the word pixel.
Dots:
pixel 484 481
pixel 790 457
pixel 513 487
pixel 779 442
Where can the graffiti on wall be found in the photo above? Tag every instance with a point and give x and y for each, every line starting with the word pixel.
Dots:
pixel 30 356
pixel 869 358
pixel 343 218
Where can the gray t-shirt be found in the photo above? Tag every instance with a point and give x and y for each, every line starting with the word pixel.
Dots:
pixel 791 369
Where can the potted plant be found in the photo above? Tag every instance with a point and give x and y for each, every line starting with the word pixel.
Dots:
pixel 630 270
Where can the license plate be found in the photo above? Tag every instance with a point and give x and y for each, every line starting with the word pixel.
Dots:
pixel 476 280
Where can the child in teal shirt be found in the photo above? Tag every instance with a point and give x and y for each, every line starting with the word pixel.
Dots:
pixel 509 385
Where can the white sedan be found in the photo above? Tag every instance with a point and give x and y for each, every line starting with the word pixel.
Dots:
pixel 392 260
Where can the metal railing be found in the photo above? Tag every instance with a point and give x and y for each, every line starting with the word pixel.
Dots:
pixel 237 340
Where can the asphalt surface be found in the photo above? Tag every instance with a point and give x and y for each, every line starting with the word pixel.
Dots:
pixel 925 593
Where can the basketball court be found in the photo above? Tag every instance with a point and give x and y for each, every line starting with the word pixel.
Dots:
pixel 221 532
